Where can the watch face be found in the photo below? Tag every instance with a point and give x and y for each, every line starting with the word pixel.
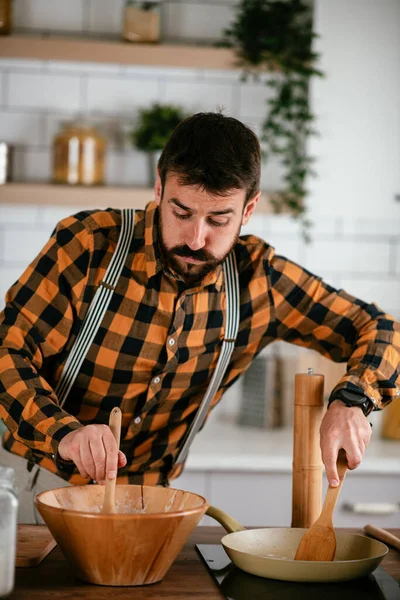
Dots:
pixel 353 397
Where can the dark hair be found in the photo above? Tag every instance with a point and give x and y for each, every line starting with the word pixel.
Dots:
pixel 215 152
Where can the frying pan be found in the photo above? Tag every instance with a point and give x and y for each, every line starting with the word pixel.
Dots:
pixel 270 552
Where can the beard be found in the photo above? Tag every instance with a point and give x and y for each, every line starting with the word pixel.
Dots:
pixel 191 273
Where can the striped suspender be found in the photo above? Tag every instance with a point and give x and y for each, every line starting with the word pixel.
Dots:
pixel 231 277
pixel 97 308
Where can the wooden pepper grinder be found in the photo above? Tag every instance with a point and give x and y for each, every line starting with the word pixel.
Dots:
pixel 307 461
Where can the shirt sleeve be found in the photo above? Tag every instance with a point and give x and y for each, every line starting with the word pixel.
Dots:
pixel 34 326
pixel 310 313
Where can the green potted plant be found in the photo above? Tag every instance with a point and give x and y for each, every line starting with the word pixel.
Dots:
pixel 153 129
pixel 277 36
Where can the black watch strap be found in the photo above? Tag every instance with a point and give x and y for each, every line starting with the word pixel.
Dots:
pixel 350 399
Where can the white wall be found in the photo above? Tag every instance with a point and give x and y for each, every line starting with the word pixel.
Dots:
pixel 358 111
pixel 358 149
pixel 352 248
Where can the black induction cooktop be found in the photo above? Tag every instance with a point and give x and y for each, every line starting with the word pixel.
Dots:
pixel 235 584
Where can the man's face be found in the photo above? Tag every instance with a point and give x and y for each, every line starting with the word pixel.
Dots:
pixel 198 229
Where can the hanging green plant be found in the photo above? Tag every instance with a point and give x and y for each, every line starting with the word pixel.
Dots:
pixel 276 36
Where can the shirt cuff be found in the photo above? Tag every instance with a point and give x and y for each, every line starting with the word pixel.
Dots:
pixel 58 433
pixel 356 388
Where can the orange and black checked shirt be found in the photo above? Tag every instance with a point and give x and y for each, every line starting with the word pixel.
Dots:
pixel 159 341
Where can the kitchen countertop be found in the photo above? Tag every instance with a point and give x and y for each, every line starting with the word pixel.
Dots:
pixel 224 446
pixel 187 578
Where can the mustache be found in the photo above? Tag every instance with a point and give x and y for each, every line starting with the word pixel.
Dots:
pixel 187 252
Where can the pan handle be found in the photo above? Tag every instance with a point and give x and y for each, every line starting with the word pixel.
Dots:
pixel 228 522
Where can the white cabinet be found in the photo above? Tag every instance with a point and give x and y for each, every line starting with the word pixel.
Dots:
pixel 265 498
pixel 254 499
pixel 197 482
pixel 369 498
pixel 248 474
pixel 192 481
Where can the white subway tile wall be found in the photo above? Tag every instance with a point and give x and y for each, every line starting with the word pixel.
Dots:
pixel 120 95
pixel 396 261
pixel 360 255
pixel 82 68
pixel 43 91
pixel 353 256
pixel 384 291
pixel 105 16
pixel 253 99
pixel 9 275
pixel 15 252
pixel 17 214
pixel 125 167
pixel 196 20
pixel 201 95
pixel 22 65
pixel 31 164
pixel 43 15
pixel 24 129
pixel 3 88
pixel 371 228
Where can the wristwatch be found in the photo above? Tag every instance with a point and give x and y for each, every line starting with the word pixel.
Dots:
pixel 353 399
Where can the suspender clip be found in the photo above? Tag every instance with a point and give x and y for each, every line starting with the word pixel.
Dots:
pixel 31 460
pixel 107 285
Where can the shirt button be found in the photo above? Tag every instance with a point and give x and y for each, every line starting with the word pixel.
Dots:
pixel 156 379
pixel 171 342
pixel 137 420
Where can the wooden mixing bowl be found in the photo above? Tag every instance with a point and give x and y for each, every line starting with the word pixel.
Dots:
pixel 134 546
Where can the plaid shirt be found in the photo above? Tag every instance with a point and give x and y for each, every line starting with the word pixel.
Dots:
pixel 159 341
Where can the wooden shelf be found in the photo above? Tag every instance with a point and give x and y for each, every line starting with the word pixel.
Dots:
pixel 65 48
pixel 48 194
pixel 84 196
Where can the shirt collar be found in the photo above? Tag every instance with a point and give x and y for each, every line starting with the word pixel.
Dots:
pixel 154 259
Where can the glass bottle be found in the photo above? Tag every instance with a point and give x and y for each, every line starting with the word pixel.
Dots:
pixel 79 155
pixel 141 21
pixel 6 154
pixel 5 17
pixel 8 530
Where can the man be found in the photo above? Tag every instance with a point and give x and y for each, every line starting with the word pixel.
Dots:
pixel 159 341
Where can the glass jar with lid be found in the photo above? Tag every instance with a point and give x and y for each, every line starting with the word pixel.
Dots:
pixel 79 155
pixel 8 530
pixel 141 21
pixel 5 17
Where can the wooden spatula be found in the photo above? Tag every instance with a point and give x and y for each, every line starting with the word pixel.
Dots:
pixel 319 542
pixel 109 492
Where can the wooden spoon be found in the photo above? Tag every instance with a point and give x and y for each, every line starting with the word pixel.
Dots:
pixel 109 492
pixel 319 542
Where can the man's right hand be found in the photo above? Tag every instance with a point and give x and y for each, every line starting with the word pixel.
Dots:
pixel 94 451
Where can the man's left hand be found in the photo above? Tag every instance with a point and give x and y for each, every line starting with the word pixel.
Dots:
pixel 343 427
